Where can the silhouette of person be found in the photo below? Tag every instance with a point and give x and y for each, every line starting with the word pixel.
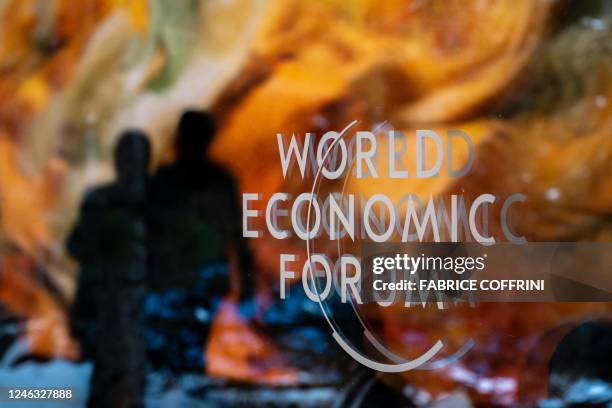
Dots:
pixel 110 243
pixel 196 235
pixel 580 373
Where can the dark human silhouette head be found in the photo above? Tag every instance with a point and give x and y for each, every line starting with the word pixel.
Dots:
pixel 584 354
pixel 132 154
pixel 196 131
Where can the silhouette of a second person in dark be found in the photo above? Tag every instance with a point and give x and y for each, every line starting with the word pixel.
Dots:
pixel 110 243
pixel 196 235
